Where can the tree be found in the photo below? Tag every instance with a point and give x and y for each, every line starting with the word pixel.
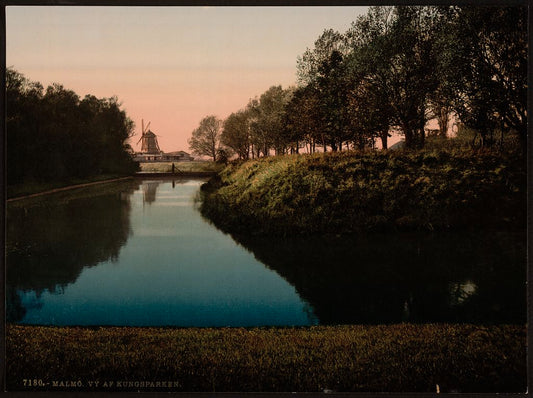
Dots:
pixel 302 120
pixel 54 136
pixel 266 121
pixel 23 122
pixel 270 119
pixel 309 65
pixel 324 69
pixel 411 71
pixel 369 97
pixel 397 46
pixel 236 133
pixel 370 115
pixel 205 140
pixel 486 60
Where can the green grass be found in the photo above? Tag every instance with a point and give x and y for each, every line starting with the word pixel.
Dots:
pixel 381 190
pixel 188 166
pixel 404 357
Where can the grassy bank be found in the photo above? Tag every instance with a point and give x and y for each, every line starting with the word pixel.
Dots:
pixel 382 190
pixel 402 357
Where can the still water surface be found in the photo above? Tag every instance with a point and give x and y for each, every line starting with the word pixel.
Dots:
pixel 139 253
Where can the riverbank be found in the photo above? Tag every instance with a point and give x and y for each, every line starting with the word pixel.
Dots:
pixel 392 358
pixel 181 174
pixel 33 189
pixel 192 166
pixel 351 192
pixel 188 169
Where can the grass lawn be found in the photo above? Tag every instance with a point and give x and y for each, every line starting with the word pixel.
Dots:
pixel 392 358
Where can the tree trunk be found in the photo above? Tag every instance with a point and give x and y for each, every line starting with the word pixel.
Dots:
pixel 384 135
pixel 422 133
pixel 443 121
pixel 410 141
pixel 421 138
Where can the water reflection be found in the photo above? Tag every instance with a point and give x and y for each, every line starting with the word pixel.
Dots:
pixel 50 240
pixel 445 277
pixel 164 265
pixel 159 264
pixel 150 190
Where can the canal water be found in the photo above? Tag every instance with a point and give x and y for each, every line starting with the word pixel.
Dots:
pixel 139 253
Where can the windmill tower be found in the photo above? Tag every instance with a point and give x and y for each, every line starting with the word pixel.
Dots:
pixel 149 141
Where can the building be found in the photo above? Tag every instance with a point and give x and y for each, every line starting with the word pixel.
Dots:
pixel 177 156
pixel 150 151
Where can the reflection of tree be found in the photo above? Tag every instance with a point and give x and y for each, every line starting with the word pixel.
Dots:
pixel 149 191
pixel 15 311
pixel 386 279
pixel 49 243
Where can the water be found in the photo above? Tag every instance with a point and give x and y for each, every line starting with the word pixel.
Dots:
pixel 139 253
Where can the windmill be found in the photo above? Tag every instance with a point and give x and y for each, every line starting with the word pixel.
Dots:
pixel 149 140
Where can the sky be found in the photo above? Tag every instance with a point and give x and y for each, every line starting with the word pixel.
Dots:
pixel 171 66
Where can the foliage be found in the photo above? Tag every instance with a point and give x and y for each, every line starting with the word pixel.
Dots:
pixel 396 68
pixel 266 121
pixel 236 133
pixel 52 135
pixel 222 156
pixel 205 140
pixel 352 191
pixel 394 358
pixel 485 57
pixel 303 118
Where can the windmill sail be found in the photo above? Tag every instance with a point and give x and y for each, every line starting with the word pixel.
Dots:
pixel 149 143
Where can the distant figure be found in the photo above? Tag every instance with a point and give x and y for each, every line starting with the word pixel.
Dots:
pixel 173 168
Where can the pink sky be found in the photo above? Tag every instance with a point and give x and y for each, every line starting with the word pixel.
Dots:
pixel 171 66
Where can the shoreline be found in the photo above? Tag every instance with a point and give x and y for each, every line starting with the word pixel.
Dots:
pixel 67 188
pixel 181 174
pixel 139 175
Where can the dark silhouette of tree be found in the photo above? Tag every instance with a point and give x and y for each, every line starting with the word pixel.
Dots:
pixel 52 135
pixel 205 140
pixel 236 133
pixel 484 58
pixel 303 119
pixel 269 119
pixel 323 69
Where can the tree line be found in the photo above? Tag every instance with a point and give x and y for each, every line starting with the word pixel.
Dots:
pixel 394 69
pixel 53 135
